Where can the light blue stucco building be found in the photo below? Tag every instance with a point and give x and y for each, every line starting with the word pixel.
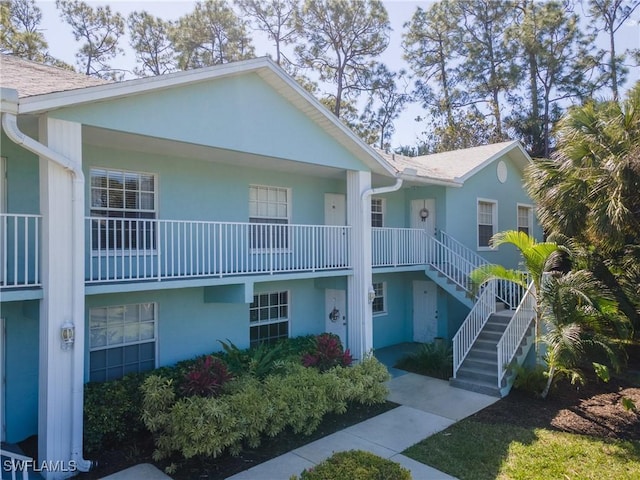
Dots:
pixel 141 222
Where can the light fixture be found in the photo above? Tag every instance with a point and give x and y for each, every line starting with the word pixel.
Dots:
pixel 67 335
pixel 371 294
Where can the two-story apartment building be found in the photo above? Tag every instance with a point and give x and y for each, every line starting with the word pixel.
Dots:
pixel 143 221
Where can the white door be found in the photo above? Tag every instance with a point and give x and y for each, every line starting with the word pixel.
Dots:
pixel 423 215
pixel 425 311
pixel 335 313
pixel 3 385
pixel 335 247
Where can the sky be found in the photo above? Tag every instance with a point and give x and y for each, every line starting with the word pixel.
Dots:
pixel 408 132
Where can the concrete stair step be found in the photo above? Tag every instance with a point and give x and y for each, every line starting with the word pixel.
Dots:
pixel 490 364
pixel 476 374
pixel 478 387
pixel 483 355
pixel 490 336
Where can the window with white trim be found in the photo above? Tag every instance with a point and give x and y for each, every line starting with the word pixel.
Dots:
pixel 379 304
pixel 525 219
pixel 269 317
pixel 377 212
pixel 487 219
pixel 128 201
pixel 270 206
pixel 122 339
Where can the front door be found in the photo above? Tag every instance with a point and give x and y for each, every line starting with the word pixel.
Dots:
pixel 425 311
pixel 335 213
pixel 335 313
pixel 423 215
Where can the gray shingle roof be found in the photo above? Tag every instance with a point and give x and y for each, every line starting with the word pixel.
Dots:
pixel 31 78
pixel 454 165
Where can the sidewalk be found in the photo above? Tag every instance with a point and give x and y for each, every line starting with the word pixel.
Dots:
pixel 428 405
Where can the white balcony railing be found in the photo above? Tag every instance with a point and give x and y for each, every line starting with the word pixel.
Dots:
pixel 393 247
pixel 19 250
pixel 137 249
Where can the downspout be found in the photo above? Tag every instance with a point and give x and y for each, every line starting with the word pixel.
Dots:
pixel 10 126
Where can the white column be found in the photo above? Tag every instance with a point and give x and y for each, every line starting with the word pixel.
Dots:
pixel 57 416
pixel 360 324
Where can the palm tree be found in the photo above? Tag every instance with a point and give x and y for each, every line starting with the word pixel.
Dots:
pixel 577 314
pixel 589 190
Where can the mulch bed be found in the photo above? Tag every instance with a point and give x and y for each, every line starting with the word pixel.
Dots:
pixel 594 409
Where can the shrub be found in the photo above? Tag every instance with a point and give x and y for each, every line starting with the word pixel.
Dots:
pixel 258 361
pixel 112 412
pixel 298 399
pixel 355 465
pixel 432 359
pixel 206 377
pixel 328 353
pixel 531 380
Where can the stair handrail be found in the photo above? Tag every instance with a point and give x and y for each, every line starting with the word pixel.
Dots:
pixel 516 330
pixel 456 261
pixel 468 332
pixel 17 462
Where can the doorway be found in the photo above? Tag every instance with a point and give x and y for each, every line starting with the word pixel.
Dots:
pixel 425 311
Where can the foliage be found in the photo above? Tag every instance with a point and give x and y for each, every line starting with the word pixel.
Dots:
pixel 433 359
pixel 100 30
pixel 112 412
pixel 276 18
pixel 355 465
pixel 530 379
pixel 296 399
pixel 342 41
pixel 206 377
pixel 328 353
pixel 258 361
pixel 212 34
pixel 149 38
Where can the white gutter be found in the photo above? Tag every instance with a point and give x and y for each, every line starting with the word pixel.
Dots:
pixel 9 109
pixel 379 190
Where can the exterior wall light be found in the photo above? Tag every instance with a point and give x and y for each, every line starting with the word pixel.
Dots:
pixel 67 335
pixel 371 294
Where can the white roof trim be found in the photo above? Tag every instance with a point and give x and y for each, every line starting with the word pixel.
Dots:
pixel 47 102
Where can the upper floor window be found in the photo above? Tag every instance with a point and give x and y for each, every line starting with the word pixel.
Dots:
pixel 487 222
pixel 379 304
pixel 525 219
pixel 269 317
pixel 122 339
pixel 269 205
pixel 377 212
pixel 128 200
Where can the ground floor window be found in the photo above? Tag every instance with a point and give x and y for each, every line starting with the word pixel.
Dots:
pixel 269 317
pixel 379 304
pixel 122 339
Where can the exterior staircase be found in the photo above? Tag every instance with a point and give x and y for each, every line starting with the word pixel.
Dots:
pixel 499 329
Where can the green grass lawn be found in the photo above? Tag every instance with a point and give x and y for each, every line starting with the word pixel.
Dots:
pixel 474 450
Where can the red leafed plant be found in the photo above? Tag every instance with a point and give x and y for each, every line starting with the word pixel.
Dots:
pixel 206 377
pixel 328 353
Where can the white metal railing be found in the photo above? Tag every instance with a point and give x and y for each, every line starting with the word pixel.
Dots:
pixel 467 334
pixel 516 331
pixel 453 245
pixel 139 249
pixel 19 250
pixel 392 247
pixel 14 462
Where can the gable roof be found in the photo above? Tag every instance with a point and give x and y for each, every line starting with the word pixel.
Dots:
pixel 32 78
pixel 457 166
pixel 272 74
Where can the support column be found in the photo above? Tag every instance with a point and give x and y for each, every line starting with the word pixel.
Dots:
pixel 360 324
pixel 59 372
